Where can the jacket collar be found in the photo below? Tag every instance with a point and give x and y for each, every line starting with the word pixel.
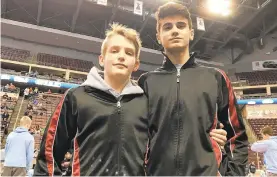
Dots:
pixel 168 65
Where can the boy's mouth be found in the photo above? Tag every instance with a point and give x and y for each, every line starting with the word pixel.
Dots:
pixel 120 64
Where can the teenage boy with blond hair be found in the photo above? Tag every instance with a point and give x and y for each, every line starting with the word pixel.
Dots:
pixel 186 102
pixel 106 117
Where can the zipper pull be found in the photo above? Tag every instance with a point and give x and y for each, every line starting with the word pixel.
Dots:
pixel 178 76
pixel 118 104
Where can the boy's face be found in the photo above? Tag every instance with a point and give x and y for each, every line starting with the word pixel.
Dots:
pixel 120 58
pixel 174 33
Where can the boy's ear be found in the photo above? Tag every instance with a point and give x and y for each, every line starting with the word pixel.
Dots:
pixel 101 60
pixel 158 38
pixel 191 34
pixel 136 65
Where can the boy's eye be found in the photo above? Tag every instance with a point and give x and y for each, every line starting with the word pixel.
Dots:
pixel 167 27
pixel 181 25
pixel 129 53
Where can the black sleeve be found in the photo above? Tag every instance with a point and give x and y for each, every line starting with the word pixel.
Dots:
pixel 236 157
pixel 143 84
pixel 58 135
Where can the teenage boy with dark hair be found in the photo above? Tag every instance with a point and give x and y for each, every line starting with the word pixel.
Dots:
pixel 186 102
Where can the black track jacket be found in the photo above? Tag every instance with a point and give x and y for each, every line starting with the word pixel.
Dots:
pixel 183 108
pixel 109 133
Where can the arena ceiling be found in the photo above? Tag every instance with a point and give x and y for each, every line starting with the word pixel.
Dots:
pixel 249 19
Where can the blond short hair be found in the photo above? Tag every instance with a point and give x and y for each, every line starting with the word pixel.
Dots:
pixel 129 33
pixel 25 120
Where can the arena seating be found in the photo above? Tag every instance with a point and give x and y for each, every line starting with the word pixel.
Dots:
pixel 41 114
pixel 15 54
pixel 259 77
pixel 63 62
pixel 8 105
pixel 258 124
pixel 46 59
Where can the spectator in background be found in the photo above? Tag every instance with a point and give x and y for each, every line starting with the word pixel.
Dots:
pixel 29 106
pixel 37 130
pixel 35 102
pixel 66 164
pixel 26 113
pixel 252 169
pixel 7 87
pixel 30 90
pixel 4 124
pixel 5 115
pixel 26 92
pixel 268 146
pixel 4 106
pixel 5 96
pixel 12 88
pixel 31 130
pixel 36 90
pixel 19 150
pixel 36 73
pixel 49 91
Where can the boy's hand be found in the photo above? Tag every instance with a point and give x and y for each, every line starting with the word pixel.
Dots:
pixel 219 135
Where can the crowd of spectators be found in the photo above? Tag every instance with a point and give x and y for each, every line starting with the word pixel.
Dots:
pixel 7 107
pixel 10 88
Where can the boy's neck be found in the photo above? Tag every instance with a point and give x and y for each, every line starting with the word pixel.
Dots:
pixel 178 57
pixel 116 83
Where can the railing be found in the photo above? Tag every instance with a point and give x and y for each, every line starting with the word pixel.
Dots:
pixel 19 110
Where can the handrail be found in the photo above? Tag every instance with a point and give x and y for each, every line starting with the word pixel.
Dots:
pixel 19 110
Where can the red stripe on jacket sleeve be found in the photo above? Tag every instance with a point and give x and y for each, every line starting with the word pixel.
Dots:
pixel 50 137
pixel 232 108
pixel 233 115
pixel 76 160
pixel 215 146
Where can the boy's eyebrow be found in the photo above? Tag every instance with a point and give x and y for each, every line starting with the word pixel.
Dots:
pixel 167 23
pixel 130 49
pixel 178 22
pixel 117 46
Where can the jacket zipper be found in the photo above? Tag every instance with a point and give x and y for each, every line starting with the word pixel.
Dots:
pixel 118 105
pixel 178 109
